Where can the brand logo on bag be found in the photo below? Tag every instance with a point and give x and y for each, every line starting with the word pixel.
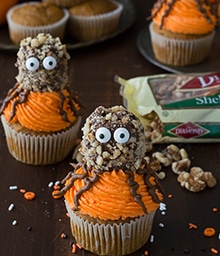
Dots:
pixel 188 130
pixel 202 82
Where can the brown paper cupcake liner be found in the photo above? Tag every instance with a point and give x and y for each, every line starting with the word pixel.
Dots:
pixel 18 32
pixel 180 52
pixel 94 27
pixel 40 149
pixel 111 239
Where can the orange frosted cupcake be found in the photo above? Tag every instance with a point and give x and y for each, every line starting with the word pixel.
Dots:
pixel 182 32
pixel 40 113
pixel 112 196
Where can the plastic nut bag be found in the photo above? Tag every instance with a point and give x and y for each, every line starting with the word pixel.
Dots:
pixel 175 108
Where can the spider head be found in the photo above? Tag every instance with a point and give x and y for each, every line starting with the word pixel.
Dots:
pixel 113 138
pixel 42 63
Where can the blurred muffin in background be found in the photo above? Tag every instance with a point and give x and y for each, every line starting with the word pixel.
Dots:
pixel 30 19
pixel 182 32
pixel 65 3
pixel 94 19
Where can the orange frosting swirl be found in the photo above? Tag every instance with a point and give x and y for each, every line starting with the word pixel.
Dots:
pixel 184 17
pixel 110 197
pixel 40 112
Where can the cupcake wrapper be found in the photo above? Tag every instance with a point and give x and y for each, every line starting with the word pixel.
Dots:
pixel 179 52
pixel 18 32
pixel 94 27
pixel 40 149
pixel 111 239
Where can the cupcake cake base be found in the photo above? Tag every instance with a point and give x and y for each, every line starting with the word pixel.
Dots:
pixel 106 238
pixel 40 149
pixel 179 50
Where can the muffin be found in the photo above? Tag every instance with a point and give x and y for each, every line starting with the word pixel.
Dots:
pixel 182 33
pixel 65 3
pixel 112 195
pixel 30 19
pixel 94 19
pixel 40 114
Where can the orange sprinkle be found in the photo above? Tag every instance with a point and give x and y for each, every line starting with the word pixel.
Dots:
pixel 146 253
pixel 22 190
pixel 170 196
pixel 54 194
pixel 192 226
pixel 73 248
pixel 215 209
pixel 56 187
pixel 79 246
pixel 29 195
pixel 63 235
pixel 209 232
pixel 214 250
pixel 152 180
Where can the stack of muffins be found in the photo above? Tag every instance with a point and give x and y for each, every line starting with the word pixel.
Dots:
pixel 84 20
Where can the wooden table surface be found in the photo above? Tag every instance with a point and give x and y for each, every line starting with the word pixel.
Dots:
pixel 91 74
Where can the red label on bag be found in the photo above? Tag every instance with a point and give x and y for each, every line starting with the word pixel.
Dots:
pixel 188 130
pixel 202 82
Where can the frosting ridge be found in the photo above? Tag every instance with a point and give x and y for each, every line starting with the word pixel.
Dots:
pixel 41 111
pixel 110 197
pixel 186 17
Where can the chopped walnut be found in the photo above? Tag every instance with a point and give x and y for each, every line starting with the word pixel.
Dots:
pixel 181 165
pixel 196 180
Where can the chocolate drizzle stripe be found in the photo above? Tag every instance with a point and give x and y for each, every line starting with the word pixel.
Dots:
pixel 133 188
pixel 61 111
pixel 12 93
pixel 23 98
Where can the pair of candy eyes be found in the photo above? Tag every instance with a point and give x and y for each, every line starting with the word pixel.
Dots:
pixel 121 135
pixel 33 63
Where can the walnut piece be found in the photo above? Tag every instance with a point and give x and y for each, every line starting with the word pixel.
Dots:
pixel 196 180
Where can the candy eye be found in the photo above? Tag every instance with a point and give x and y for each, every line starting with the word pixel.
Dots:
pixel 121 135
pixel 32 64
pixel 49 63
pixel 103 135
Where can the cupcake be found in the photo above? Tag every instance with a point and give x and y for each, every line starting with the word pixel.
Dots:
pixel 30 19
pixel 65 3
pixel 94 19
pixel 112 195
pixel 40 114
pixel 182 32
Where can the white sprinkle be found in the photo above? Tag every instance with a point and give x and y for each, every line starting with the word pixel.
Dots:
pixel 163 213
pixel 161 225
pixel 50 184
pixel 11 207
pixel 219 236
pixel 14 222
pixel 163 206
pixel 151 238
pixel 57 183
pixel 13 187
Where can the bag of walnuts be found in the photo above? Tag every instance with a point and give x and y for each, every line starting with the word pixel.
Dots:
pixel 175 108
